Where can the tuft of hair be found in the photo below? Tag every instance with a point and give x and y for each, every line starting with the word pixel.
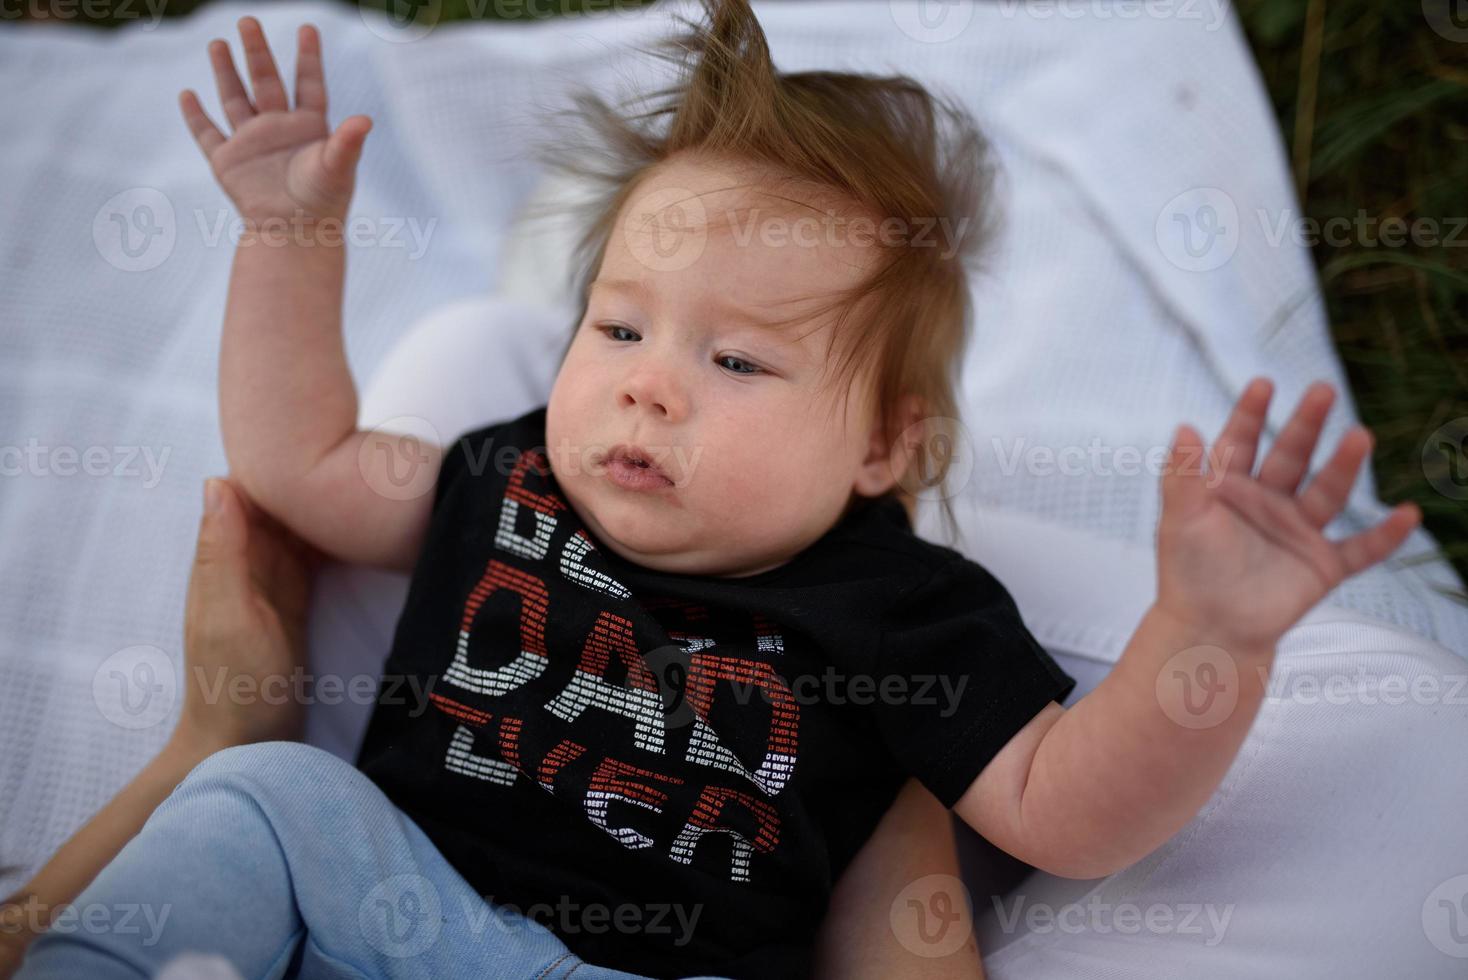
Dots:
pixel 884 147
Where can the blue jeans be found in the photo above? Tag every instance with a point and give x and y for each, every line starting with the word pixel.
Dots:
pixel 289 862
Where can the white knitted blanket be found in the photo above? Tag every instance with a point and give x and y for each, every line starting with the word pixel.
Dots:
pixel 1140 282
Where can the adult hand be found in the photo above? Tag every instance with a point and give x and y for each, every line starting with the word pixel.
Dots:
pixel 245 618
pixel 244 624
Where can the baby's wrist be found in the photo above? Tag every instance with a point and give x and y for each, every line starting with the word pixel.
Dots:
pixel 1188 630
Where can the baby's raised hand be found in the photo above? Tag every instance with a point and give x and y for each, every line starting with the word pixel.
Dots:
pixel 279 162
pixel 1241 557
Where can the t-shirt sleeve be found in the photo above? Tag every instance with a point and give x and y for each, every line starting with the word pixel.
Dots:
pixel 964 675
pixel 468 458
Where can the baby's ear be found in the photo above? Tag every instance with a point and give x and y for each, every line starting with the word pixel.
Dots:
pixel 892 450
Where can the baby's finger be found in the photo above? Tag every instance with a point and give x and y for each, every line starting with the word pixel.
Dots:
pixel 1327 492
pixel 344 146
pixel 206 134
pixel 1183 490
pixel 1363 550
pixel 310 80
pixel 1239 441
pixel 1289 457
pixel 264 77
pixel 238 108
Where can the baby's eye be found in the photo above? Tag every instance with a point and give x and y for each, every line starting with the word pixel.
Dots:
pixel 754 369
pixel 608 328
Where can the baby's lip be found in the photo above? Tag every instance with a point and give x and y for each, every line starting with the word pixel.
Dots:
pixel 631 452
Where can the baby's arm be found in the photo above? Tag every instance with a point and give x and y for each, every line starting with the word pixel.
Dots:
pixel 1085 792
pixel 287 403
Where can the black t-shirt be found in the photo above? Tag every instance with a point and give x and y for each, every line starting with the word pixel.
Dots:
pixel 671 771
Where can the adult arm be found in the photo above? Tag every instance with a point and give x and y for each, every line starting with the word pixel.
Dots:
pixel 244 615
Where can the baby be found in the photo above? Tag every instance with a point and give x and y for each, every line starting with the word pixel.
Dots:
pixel 682 642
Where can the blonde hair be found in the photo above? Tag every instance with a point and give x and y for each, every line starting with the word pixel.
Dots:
pixel 884 146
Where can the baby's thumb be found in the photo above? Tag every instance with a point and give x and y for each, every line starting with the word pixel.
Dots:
pixel 221 565
pixel 344 147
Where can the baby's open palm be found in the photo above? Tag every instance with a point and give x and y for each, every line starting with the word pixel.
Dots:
pixel 279 162
pixel 1243 554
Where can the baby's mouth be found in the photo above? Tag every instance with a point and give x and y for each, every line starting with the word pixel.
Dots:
pixel 635 464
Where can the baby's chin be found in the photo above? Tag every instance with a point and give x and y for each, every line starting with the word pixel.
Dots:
pixel 646 541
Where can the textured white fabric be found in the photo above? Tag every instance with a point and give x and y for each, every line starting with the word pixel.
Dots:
pixel 1090 325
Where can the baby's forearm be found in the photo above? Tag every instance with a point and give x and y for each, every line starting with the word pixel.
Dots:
pixel 1132 762
pixel 286 395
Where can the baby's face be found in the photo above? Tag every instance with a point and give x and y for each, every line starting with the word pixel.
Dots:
pixel 668 358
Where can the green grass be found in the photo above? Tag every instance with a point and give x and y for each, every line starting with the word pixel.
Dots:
pixel 1373 103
